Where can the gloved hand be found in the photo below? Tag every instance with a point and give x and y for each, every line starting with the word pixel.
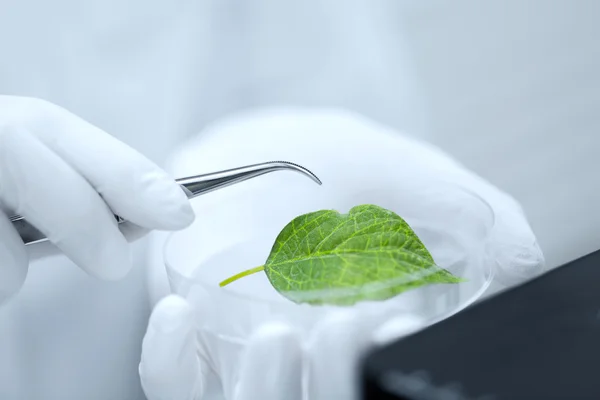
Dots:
pixel 65 176
pixel 174 363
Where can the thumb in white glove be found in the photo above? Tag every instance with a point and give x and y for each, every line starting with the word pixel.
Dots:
pixel 170 368
pixel 67 178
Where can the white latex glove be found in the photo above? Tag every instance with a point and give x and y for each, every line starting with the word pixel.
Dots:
pixel 173 365
pixel 65 176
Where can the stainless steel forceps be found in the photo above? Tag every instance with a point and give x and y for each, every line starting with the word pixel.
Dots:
pixel 193 186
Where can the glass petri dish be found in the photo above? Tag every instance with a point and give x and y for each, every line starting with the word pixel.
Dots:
pixel 229 237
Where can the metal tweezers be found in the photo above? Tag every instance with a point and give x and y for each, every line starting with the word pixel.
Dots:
pixel 192 186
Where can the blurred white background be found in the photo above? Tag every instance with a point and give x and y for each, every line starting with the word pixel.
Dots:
pixel 511 87
pixel 513 91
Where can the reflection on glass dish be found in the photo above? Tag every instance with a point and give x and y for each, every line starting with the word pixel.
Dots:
pixel 455 233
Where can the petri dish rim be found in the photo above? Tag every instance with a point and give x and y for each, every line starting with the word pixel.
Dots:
pixel 210 288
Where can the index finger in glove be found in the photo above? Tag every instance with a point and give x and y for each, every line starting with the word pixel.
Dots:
pixel 133 186
pixel 39 185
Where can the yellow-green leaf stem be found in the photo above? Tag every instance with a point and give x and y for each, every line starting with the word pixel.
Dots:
pixel 241 275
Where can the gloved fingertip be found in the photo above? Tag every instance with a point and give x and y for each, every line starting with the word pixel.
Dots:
pixel 169 339
pixel 171 314
pixel 170 367
pixel 176 212
pixel 161 204
pixel 513 249
pixel 516 263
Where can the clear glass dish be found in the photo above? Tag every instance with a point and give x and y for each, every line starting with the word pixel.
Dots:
pixel 454 227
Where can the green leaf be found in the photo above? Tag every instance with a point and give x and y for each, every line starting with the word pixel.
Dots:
pixel 370 253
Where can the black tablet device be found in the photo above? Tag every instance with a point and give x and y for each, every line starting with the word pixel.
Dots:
pixel 540 340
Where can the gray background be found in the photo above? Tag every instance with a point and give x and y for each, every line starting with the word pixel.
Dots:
pixel 509 87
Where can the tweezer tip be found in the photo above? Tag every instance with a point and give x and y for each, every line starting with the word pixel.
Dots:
pixel 300 169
